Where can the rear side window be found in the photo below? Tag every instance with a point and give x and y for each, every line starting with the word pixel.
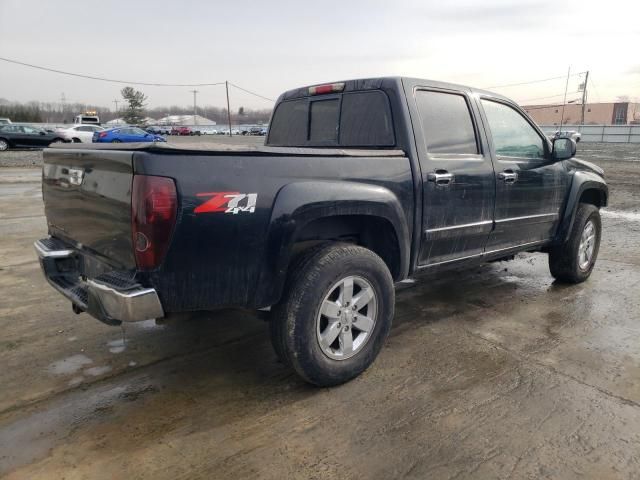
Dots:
pixel 358 119
pixel 447 123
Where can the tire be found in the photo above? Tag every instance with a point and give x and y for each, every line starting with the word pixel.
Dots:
pixel 116 141
pixel 58 140
pixel 4 145
pixel 573 261
pixel 317 283
pixel 76 140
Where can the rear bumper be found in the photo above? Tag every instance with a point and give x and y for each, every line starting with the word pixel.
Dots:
pixel 111 297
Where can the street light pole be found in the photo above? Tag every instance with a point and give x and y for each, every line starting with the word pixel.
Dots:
pixel 195 111
pixel 584 95
pixel 226 83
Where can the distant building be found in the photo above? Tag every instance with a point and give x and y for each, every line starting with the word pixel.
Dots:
pixel 185 120
pixel 120 121
pixel 619 113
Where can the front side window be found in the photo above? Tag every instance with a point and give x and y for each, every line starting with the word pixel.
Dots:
pixel 30 130
pixel 513 135
pixel 446 121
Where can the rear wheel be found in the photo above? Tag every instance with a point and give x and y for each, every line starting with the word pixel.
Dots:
pixel 115 140
pixel 58 140
pixel 335 314
pixel 4 145
pixel 573 261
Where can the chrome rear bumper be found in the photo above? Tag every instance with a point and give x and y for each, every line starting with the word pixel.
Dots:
pixel 111 298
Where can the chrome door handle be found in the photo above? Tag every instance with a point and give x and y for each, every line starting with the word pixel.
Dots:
pixel 508 176
pixel 440 177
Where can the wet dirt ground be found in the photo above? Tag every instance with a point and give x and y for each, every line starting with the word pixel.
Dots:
pixel 496 372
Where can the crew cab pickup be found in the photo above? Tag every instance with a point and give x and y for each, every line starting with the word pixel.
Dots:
pixel 360 184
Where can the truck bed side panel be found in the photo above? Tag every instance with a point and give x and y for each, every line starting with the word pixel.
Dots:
pixel 217 258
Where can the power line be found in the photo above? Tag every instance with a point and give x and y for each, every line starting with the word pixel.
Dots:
pixel 533 81
pixel 548 96
pixel 252 93
pixel 92 77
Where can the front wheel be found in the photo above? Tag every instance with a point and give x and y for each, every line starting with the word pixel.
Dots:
pixel 4 145
pixel 115 140
pixel 573 261
pixel 335 314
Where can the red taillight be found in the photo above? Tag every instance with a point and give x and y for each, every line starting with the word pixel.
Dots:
pixel 329 88
pixel 154 206
pixel 103 134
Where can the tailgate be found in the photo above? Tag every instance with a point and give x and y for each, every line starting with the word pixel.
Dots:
pixel 87 200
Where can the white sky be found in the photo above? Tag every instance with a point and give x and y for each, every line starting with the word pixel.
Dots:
pixel 274 45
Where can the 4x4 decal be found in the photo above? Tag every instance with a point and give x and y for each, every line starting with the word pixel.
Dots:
pixel 227 202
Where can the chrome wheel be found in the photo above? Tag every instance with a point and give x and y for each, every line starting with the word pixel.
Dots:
pixel 3 145
pixel 587 245
pixel 346 318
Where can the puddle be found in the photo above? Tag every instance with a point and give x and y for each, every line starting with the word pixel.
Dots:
pixel 69 365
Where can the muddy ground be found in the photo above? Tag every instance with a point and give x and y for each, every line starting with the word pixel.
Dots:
pixel 496 372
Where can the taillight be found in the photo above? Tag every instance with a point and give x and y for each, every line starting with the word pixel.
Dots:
pixel 154 206
pixel 103 134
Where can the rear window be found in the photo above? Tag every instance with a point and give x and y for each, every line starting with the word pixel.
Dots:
pixel 359 119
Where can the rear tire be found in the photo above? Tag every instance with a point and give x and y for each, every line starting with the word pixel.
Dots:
pixel 116 141
pixel 573 261
pixel 4 145
pixel 335 314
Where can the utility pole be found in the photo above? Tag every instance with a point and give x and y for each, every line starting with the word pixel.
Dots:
pixel 226 83
pixel 195 111
pixel 116 102
pixel 63 100
pixel 584 96
pixel 564 102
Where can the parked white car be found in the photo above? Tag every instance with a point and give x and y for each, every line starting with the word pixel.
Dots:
pixel 79 133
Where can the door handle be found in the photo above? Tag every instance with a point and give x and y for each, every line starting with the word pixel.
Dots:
pixel 441 178
pixel 508 176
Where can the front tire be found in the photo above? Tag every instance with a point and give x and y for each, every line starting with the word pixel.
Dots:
pixel 115 140
pixel 573 261
pixel 4 145
pixel 335 314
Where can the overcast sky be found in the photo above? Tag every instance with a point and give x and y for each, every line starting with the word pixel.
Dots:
pixel 273 45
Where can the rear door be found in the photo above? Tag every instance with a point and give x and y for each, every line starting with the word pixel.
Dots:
pixel 530 188
pixel 457 176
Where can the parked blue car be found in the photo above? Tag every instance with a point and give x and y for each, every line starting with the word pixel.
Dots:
pixel 126 135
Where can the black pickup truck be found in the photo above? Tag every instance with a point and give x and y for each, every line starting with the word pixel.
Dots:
pixel 360 184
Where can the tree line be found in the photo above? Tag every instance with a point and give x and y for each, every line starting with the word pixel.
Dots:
pixel 52 112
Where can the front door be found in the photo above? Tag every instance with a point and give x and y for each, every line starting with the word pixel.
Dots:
pixel 458 178
pixel 530 188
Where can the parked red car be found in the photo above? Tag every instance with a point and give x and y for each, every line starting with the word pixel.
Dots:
pixel 180 130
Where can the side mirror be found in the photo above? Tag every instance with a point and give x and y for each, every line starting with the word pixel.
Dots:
pixel 563 148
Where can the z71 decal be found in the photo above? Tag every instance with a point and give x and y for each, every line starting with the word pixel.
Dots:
pixel 227 202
